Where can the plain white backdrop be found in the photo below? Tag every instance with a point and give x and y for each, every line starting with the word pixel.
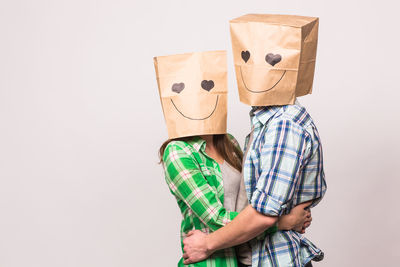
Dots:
pixel 81 122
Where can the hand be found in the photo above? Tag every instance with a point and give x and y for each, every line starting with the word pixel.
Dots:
pixel 307 223
pixel 298 219
pixel 195 247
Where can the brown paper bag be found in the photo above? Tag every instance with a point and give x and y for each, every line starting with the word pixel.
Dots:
pixel 274 57
pixel 193 92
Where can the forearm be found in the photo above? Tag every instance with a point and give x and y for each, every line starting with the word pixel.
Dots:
pixel 247 225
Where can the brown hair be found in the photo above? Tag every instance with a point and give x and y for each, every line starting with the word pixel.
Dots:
pixel 224 145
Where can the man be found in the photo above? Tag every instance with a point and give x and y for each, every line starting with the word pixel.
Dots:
pixel 274 60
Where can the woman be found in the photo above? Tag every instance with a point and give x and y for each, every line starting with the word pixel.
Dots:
pixel 199 170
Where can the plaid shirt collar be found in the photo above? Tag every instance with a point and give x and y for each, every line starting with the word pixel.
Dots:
pixel 198 143
pixel 261 115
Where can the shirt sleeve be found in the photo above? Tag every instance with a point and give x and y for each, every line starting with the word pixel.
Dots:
pixel 187 183
pixel 280 160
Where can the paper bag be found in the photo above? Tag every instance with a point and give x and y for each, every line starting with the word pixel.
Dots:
pixel 193 92
pixel 274 57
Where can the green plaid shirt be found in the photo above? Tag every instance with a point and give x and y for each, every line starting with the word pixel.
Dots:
pixel 196 182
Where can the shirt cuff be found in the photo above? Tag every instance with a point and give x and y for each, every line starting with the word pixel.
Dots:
pixel 265 204
pixel 232 215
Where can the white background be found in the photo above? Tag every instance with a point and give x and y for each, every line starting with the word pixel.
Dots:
pixel 81 122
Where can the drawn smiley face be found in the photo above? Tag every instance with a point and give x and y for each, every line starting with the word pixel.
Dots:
pixel 193 91
pixel 206 85
pixel 272 60
pixel 274 57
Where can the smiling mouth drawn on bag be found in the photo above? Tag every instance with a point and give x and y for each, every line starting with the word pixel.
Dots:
pixel 241 74
pixel 197 119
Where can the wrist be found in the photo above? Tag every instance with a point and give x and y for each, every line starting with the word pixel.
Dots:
pixel 210 245
pixel 286 222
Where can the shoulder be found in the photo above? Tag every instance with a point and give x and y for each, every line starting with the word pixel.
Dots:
pixel 289 125
pixel 177 149
pixel 293 116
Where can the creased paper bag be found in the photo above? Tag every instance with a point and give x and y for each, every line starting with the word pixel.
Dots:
pixel 193 92
pixel 274 57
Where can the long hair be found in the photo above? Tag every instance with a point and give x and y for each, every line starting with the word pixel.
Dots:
pixel 225 147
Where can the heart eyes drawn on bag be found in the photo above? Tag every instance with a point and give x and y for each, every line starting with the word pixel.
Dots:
pixel 207 85
pixel 245 56
pixel 178 87
pixel 273 59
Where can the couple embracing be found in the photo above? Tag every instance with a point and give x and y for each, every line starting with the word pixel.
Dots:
pixel 246 208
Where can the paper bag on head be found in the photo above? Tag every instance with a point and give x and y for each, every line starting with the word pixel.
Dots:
pixel 274 57
pixel 193 91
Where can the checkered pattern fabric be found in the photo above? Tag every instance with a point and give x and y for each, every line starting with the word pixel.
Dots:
pixel 195 181
pixel 282 169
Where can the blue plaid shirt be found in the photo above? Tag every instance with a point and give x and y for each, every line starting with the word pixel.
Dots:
pixel 283 168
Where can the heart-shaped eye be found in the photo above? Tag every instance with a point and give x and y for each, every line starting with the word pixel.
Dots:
pixel 178 87
pixel 245 56
pixel 273 59
pixel 207 85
